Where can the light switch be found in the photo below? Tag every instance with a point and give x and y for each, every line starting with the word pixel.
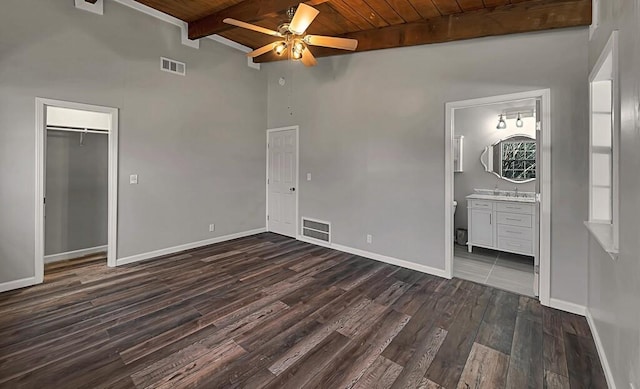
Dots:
pixel 308 176
pixel 133 179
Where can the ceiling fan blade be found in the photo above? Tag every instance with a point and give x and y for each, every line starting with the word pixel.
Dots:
pixel 261 50
pixel 330 41
pixel 302 19
pixel 308 59
pixel 253 27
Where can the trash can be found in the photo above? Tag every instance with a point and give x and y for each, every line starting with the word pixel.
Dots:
pixel 461 236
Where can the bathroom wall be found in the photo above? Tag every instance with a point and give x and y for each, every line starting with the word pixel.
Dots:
pixel 478 126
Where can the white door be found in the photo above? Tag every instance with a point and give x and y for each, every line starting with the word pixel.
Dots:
pixel 282 182
pixel 482 227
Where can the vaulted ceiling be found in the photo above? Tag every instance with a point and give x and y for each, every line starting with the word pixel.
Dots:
pixel 379 24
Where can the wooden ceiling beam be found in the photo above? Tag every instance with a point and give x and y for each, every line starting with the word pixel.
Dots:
pixel 249 11
pixel 527 16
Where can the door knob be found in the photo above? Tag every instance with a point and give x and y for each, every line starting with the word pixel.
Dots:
pixel 292 189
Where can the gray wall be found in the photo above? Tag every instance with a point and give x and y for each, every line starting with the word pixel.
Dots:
pixel 372 135
pixel 614 286
pixel 76 190
pixel 196 142
pixel 478 126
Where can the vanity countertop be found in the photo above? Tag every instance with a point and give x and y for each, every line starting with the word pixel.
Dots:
pixel 518 199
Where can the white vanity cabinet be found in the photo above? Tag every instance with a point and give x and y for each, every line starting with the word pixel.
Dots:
pixel 504 225
pixel 480 224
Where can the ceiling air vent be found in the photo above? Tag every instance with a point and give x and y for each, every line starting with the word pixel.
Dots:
pixel 316 229
pixel 171 66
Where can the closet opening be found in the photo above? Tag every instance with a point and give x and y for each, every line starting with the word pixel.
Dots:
pixel 76 185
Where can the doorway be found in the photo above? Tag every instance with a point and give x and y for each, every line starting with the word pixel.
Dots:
pixel 499 199
pixel 76 186
pixel 282 181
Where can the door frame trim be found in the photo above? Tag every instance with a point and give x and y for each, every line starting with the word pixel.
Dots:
pixel 266 181
pixel 545 180
pixel 41 133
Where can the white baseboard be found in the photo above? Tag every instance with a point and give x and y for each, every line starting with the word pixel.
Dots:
pixel 74 254
pixel 608 374
pixel 17 284
pixel 187 246
pixel 568 306
pixel 378 257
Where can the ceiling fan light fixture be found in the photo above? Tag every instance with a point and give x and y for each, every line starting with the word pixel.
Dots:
pixel 280 48
pixel 295 42
pixel 297 49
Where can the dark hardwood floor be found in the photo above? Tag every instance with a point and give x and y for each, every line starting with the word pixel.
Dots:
pixel 268 311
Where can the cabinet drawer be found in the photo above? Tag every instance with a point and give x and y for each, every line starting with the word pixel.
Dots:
pixel 527 209
pixel 479 204
pixel 514 219
pixel 515 232
pixel 515 245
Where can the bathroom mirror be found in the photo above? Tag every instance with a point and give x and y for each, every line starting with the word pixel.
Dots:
pixel 512 158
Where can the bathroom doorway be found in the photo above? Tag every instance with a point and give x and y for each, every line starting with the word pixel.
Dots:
pixel 495 184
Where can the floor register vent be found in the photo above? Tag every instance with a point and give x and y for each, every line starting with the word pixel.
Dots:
pixel 316 229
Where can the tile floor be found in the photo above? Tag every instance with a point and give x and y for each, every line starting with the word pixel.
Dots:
pixel 501 270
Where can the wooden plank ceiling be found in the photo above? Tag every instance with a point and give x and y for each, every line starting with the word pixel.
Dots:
pixel 379 24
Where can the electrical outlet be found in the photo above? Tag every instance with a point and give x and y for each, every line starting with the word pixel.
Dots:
pixel 212 227
pixel 133 179
pixel 369 238
pixel 308 176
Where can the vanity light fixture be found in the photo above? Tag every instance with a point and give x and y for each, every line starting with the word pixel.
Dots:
pixel 519 122
pixel 501 123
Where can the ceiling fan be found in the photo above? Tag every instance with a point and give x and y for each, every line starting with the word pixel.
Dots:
pixel 295 42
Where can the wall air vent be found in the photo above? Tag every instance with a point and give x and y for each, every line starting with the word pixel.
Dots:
pixel 171 66
pixel 316 230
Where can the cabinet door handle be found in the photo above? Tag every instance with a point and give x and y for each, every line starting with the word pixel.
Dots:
pixel 490 218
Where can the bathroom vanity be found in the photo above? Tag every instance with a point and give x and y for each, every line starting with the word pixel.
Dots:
pixel 504 222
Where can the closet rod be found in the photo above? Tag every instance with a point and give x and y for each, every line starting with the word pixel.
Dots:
pixel 78 129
